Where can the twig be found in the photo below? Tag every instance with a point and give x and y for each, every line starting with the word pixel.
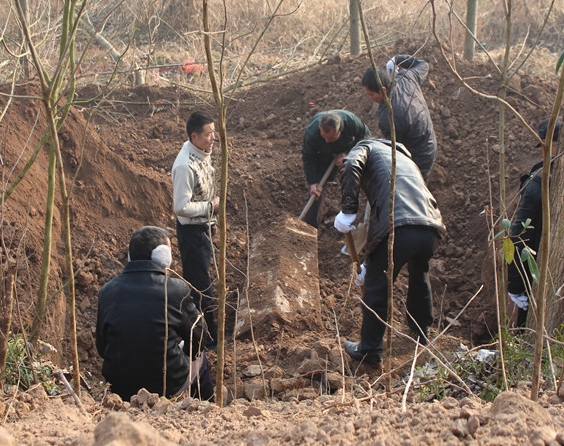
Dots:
pixel 499 299
pixel 410 380
pixel 426 348
pixel 71 391
pixel 341 353
pixel 247 294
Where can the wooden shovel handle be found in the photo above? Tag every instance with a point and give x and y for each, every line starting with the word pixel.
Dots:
pixel 321 183
pixel 354 256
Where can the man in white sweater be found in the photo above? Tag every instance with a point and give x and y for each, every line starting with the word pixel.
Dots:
pixel 195 206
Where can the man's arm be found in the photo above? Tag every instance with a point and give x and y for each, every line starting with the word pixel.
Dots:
pixel 350 176
pixel 193 329
pixel 413 64
pixel 315 163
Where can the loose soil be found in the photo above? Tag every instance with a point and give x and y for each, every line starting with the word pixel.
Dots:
pixel 118 154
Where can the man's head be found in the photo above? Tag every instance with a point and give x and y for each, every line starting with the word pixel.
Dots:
pixel 151 243
pixel 201 130
pixel 543 128
pixel 330 126
pixel 371 86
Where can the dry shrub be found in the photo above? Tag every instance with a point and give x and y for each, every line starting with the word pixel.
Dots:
pixel 167 32
pixel 527 19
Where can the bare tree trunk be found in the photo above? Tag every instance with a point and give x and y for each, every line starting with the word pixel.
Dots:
pixel 6 304
pixel 551 272
pixel 51 96
pixel 555 290
pixel 41 305
pixel 391 237
pixel 222 288
pixel 471 24
pixel 25 61
pixel 354 27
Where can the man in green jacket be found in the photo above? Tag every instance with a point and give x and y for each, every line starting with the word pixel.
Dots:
pixel 329 134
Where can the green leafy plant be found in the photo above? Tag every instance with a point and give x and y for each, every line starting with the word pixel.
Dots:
pixel 481 369
pixel 23 371
pixel 526 255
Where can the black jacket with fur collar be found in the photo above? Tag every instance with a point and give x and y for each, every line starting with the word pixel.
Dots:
pixel 131 329
pixel 368 167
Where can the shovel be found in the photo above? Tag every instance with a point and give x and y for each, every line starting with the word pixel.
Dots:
pixel 321 183
pixel 354 257
pixel 360 233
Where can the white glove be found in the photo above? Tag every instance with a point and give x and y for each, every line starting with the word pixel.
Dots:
pixel 391 66
pixel 344 222
pixel 521 300
pixel 359 280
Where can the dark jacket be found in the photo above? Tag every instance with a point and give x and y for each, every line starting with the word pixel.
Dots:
pixel 318 154
pixel 368 167
pixel 412 120
pixel 131 328
pixel 530 206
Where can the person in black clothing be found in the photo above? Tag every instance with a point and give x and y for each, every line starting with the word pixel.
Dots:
pixel 139 313
pixel 418 230
pixel 530 207
pixel 329 134
pixel 401 81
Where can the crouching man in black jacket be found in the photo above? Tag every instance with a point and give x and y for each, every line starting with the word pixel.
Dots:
pixel 418 229
pixel 143 311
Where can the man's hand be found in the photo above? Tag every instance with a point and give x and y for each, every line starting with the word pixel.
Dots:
pixel 315 190
pixel 359 279
pixel 521 300
pixel 344 222
pixel 339 159
pixel 215 205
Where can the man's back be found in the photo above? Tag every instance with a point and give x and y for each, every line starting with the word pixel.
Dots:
pixel 368 167
pixel 131 330
pixel 412 119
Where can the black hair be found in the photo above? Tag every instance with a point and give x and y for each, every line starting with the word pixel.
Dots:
pixel 543 128
pixel 144 240
pixel 369 80
pixel 331 120
pixel 196 122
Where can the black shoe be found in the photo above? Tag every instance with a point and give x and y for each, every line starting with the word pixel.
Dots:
pixel 353 350
pixel 422 337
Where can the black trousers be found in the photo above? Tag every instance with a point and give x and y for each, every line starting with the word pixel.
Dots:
pixel 195 251
pixel 414 246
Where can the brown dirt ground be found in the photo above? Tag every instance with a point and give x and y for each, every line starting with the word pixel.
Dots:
pixel 122 181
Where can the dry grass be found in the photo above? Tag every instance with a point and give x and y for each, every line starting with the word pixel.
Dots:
pixel 300 32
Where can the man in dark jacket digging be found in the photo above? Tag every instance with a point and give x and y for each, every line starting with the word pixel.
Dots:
pixel 413 125
pixel 329 134
pixel 418 230
pixel 141 313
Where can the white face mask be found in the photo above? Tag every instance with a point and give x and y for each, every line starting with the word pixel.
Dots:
pixel 162 256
